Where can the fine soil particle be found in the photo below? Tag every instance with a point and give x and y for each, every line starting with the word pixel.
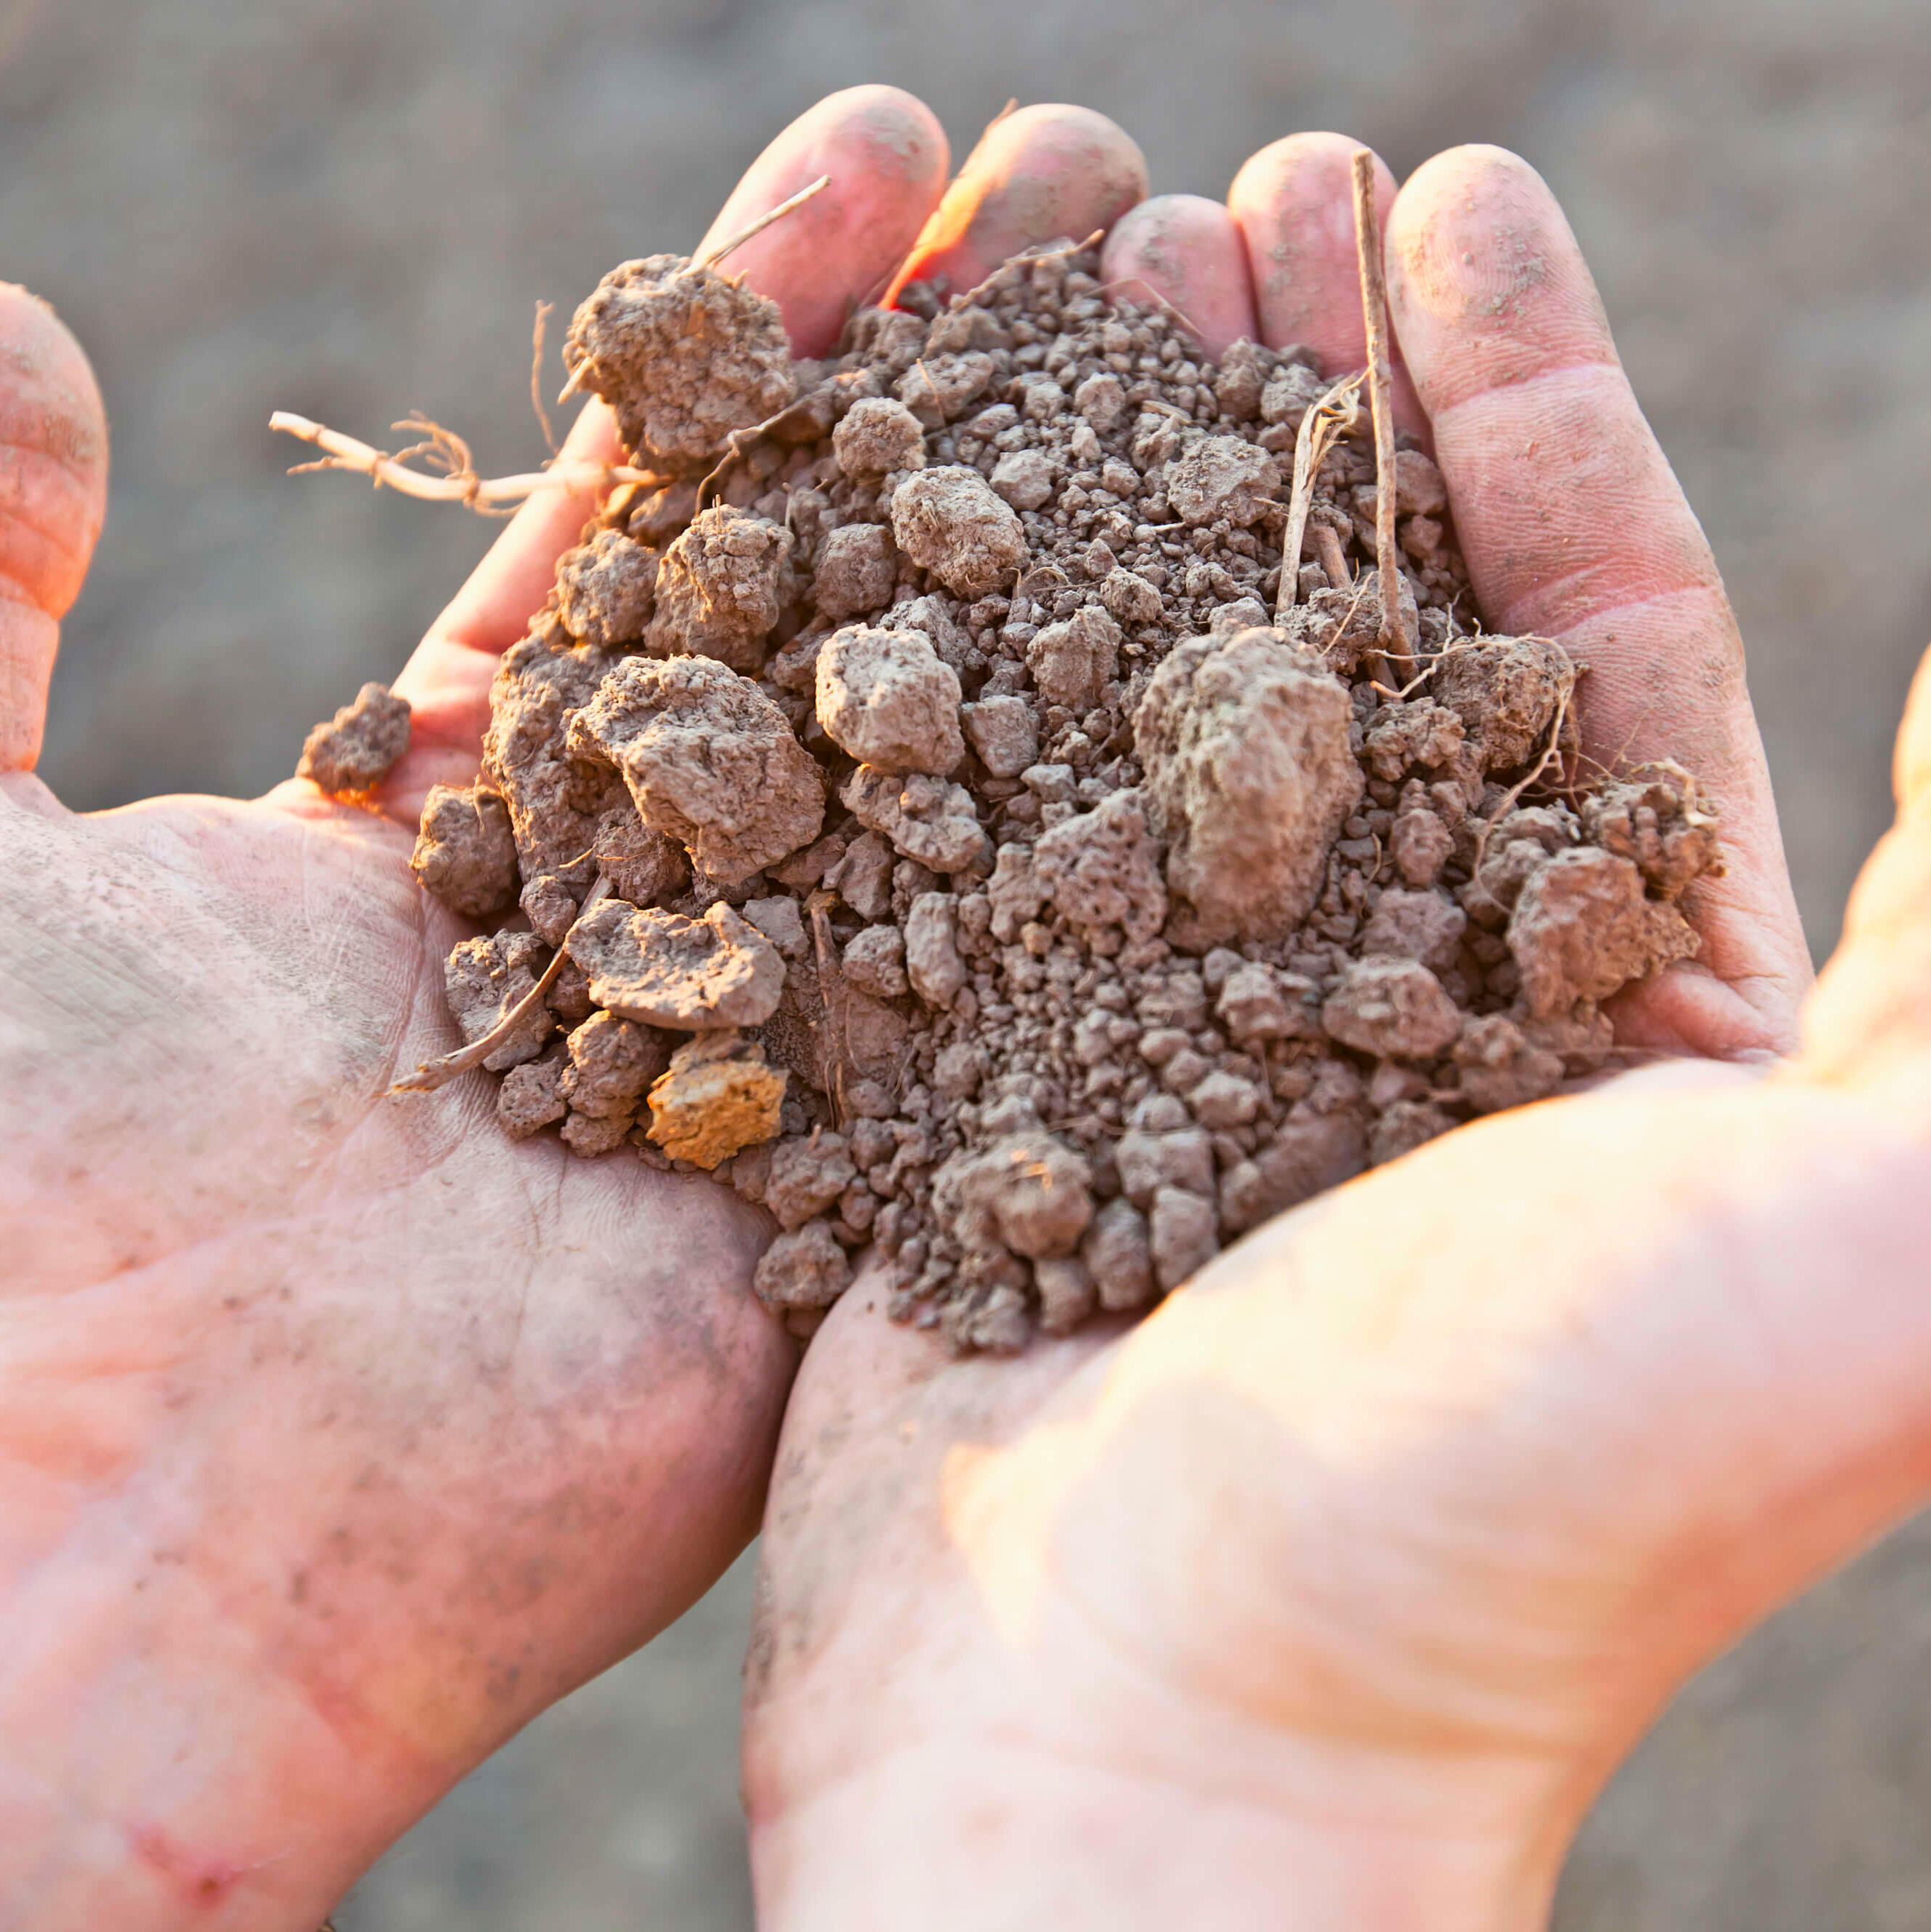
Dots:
pixel 1006 879
pixel 355 749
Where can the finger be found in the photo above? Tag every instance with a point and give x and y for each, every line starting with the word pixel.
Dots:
pixel 886 155
pixel 1038 174
pixel 1870 1015
pixel 53 496
pixel 1573 527
pixel 1294 204
pixel 887 158
pixel 1186 252
pixel 1912 767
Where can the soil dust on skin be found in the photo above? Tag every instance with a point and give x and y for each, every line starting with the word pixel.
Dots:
pixel 999 871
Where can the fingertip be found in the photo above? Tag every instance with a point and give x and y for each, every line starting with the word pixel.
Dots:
pixel 1037 174
pixel 1294 203
pixel 53 499
pixel 1187 253
pixel 887 158
pixel 1486 283
pixel 53 453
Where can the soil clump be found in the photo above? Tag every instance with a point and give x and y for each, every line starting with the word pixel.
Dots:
pixel 1004 875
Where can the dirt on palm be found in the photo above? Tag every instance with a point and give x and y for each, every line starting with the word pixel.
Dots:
pixel 1000 873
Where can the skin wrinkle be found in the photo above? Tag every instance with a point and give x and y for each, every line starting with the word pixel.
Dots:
pixel 30 511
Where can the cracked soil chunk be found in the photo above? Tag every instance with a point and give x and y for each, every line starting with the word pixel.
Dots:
pixel 611 1062
pixel 925 819
pixel 708 759
pixel 717 1097
pixel 855 571
pixel 1102 868
pixel 884 697
pixel 688 975
pixel 1658 824
pixel 607 589
pixel 717 588
pixel 1250 775
pixel 1395 1009
pixel 878 435
pixel 554 799
pixel 1583 929
pixel 805 1268
pixel 683 355
pixel 1222 476
pixel 1071 661
pixel 1027 1191
pixel 356 748
pixel 1506 691
pixel 465 852
pixel 948 521
pixel 529 1100
pixel 485 979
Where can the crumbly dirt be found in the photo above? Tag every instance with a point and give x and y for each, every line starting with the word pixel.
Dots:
pixel 1006 879
pixel 354 749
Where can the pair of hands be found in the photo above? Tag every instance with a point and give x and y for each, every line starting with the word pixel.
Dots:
pixel 339 1435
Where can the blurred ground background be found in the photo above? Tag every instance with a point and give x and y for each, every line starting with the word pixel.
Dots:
pixel 349 207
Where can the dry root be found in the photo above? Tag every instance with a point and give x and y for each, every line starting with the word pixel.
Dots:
pixel 455 479
pixel 1398 647
pixel 434 1073
pixel 1325 424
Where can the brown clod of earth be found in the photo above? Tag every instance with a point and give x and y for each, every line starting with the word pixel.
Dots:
pixel 607 589
pixel 356 748
pixel 948 521
pixel 465 853
pixel 717 1097
pixel 709 759
pixel 689 975
pixel 485 979
pixel 684 356
pixel 1250 774
pixel 1583 927
pixel 717 588
pixel 884 697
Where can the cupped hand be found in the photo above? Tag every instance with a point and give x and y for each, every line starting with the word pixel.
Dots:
pixel 338 1434
pixel 1330 1594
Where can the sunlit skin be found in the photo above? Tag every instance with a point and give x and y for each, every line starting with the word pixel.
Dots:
pixel 338 1436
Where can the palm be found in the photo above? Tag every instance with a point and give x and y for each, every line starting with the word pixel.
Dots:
pixel 448 1358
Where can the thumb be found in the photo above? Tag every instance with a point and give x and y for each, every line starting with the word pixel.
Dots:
pixel 53 496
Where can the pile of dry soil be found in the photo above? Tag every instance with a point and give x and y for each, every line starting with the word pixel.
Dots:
pixel 989 865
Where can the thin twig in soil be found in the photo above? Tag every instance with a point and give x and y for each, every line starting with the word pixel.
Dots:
pixel 1452 648
pixel 1507 804
pixel 712 256
pixel 1329 417
pixel 385 470
pixel 735 445
pixel 1394 640
pixel 543 309
pixel 1331 556
pixel 1172 308
pixel 434 1073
